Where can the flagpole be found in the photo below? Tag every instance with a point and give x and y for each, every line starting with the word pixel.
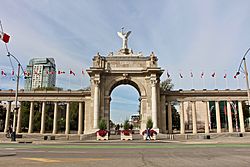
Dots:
pixel 247 82
pixel 192 82
pixel 238 83
pixel 226 83
pixel 203 82
pixel 215 85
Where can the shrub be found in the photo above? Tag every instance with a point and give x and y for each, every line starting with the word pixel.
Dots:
pixel 102 124
pixel 149 123
pixel 126 125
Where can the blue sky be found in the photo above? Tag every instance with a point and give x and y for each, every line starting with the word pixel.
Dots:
pixel 198 36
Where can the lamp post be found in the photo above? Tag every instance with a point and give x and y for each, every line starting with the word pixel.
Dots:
pixel 13 136
pixel 247 82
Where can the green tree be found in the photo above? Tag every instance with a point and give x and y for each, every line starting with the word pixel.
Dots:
pixel 2 117
pixel 25 109
pixel 74 115
pixel 166 85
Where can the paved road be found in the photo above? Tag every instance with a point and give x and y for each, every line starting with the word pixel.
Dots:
pixel 126 155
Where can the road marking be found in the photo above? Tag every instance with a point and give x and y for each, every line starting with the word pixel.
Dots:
pixel 42 160
pixel 68 152
pixel 66 159
pixel 30 151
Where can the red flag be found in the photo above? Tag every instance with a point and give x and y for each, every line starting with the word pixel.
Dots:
pixel 202 74
pixel 13 72
pixel 181 76
pixel 225 76
pixel 235 76
pixel 3 73
pixel 82 71
pixel 213 75
pixel 71 72
pixel 61 72
pixel 52 72
pixel 4 37
pixel 26 73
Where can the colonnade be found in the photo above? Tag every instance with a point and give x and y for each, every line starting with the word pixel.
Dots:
pixel 42 130
pixel 206 117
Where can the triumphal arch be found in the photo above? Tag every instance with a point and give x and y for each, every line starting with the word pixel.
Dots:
pixel 124 67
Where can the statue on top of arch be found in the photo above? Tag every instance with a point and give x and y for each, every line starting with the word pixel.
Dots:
pixel 124 37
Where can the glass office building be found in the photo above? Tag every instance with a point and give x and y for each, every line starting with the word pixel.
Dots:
pixel 40 73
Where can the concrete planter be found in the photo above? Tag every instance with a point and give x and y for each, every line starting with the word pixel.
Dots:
pixel 98 137
pixel 126 137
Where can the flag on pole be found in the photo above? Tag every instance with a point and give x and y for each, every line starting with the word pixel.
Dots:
pixel 26 73
pixel 83 72
pixel 52 72
pixel 60 72
pixel 181 76
pixel 213 75
pixel 12 72
pixel 168 75
pixel 3 73
pixel 71 72
pixel 202 74
pixel 4 37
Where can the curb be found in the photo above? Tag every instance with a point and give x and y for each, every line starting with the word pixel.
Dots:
pixel 2 154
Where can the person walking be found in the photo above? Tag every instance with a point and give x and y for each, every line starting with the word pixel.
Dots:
pixel 148 137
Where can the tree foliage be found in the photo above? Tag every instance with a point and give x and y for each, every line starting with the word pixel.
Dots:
pixel 166 85
pixel 102 124
pixel 149 123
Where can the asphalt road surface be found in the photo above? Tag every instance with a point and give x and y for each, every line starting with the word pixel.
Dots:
pixel 125 155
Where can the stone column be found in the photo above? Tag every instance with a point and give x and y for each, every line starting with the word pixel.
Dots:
pixel 43 118
pixel 170 127
pixel 96 104
pixel 206 117
pixel 107 100
pixel 182 123
pixel 194 117
pixel 229 118
pixel 241 117
pixel 163 114
pixel 7 118
pixel 31 117
pixel 154 104
pixel 55 118
pixel 67 126
pixel 80 118
pixel 218 123
pixel 19 119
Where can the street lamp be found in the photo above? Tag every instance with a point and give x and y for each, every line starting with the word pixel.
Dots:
pixel 247 82
pixel 13 137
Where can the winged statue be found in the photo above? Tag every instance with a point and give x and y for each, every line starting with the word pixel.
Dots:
pixel 124 37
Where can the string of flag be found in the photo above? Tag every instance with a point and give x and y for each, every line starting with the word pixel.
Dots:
pixel 202 75
pixel 4 73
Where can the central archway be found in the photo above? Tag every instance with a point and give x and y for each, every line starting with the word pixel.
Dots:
pixel 125 102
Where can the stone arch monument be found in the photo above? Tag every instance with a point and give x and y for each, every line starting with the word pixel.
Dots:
pixel 124 67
